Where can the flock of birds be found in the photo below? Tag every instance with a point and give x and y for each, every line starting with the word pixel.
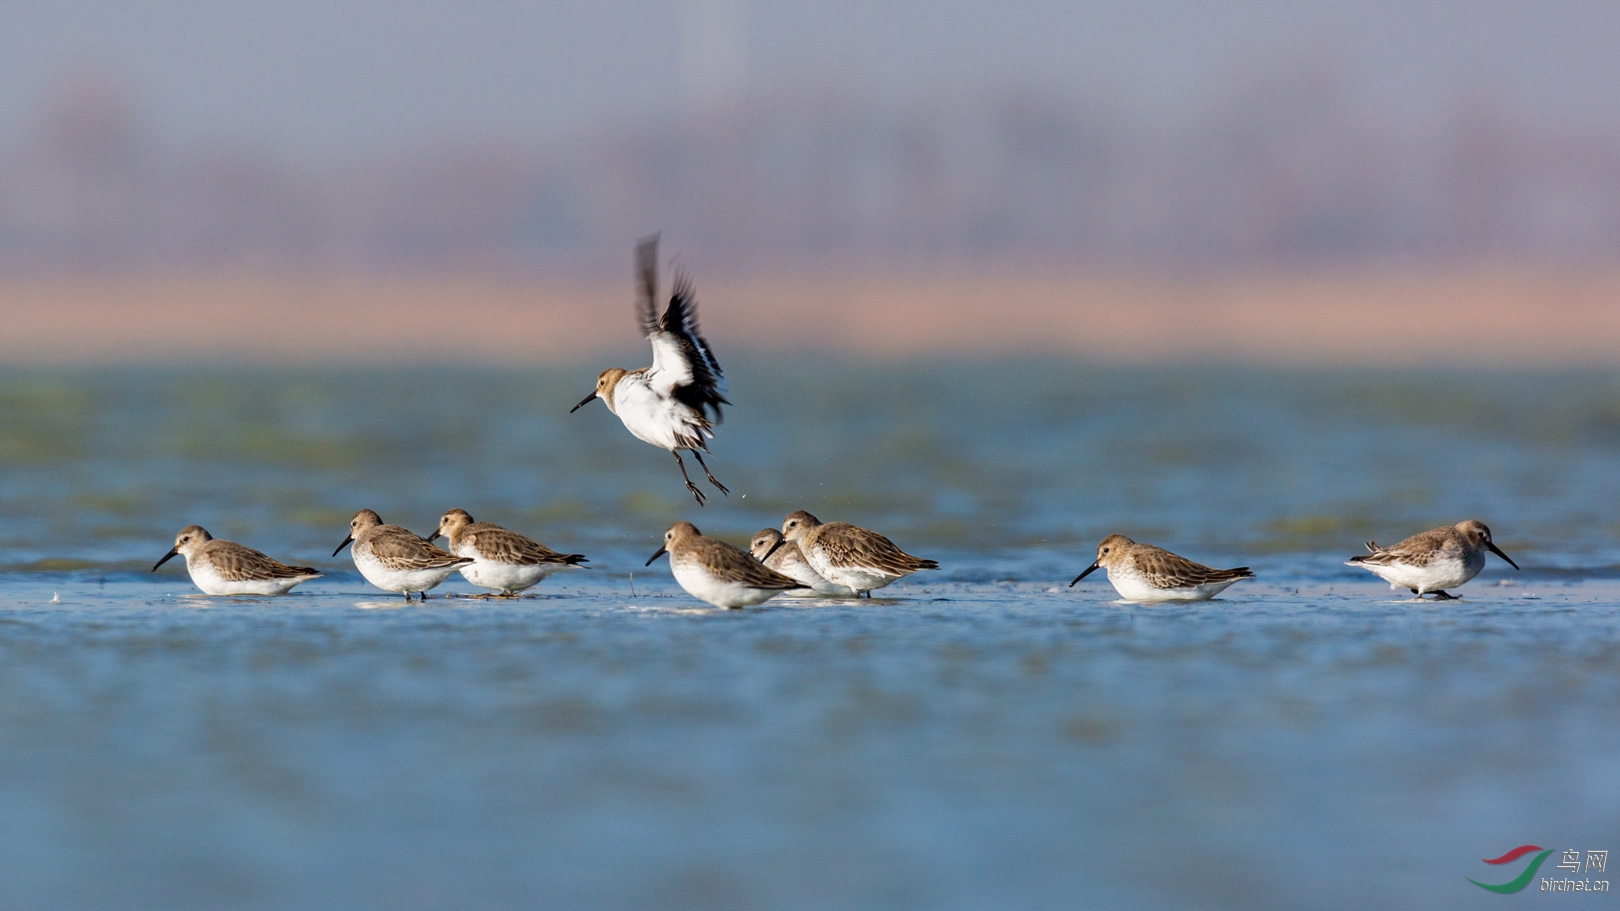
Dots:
pixel 675 404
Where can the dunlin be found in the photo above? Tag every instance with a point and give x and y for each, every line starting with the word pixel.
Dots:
pixel 770 548
pixel 1433 561
pixel 1142 572
pixel 668 404
pixel 396 559
pixel 714 571
pixel 503 561
pixel 849 555
pixel 227 568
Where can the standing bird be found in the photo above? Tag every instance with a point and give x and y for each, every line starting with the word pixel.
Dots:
pixel 1434 560
pixel 396 559
pixel 227 568
pixel 1142 572
pixel 503 561
pixel 849 555
pixel 714 571
pixel 668 403
pixel 769 548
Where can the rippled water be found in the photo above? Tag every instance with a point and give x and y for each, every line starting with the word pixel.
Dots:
pixel 985 737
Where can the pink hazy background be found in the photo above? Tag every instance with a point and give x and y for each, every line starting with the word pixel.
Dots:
pixel 1367 183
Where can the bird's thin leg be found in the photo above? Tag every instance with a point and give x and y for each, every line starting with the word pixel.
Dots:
pixel 424 596
pixel 698 494
pixel 1442 596
pixel 717 485
pixel 407 597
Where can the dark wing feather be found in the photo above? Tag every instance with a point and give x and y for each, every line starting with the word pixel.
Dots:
pixel 240 563
pixel 1419 550
pixel 1167 570
pixel 402 549
pixel 737 565
pixel 647 283
pixel 502 545
pixel 851 545
pixel 705 391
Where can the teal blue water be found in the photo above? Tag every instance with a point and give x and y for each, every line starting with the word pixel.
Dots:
pixel 984 736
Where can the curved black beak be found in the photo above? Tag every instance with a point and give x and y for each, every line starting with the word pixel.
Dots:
pixel 1089 570
pixel 779 543
pixel 346 542
pixel 660 553
pixel 583 402
pixel 434 537
pixel 170 556
pixel 1492 548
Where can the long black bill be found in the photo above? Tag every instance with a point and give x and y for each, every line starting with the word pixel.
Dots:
pixel 175 553
pixel 346 542
pixel 1493 549
pixel 779 543
pixel 1089 570
pixel 660 553
pixel 582 403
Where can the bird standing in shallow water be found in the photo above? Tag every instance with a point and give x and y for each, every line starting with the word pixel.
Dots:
pixel 1434 560
pixel 783 556
pixel 849 555
pixel 668 403
pixel 227 568
pixel 712 570
pixel 503 560
pixel 1142 572
pixel 396 559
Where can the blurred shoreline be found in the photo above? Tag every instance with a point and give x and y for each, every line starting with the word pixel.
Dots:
pixel 1476 316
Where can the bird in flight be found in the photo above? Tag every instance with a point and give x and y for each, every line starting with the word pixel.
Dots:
pixel 668 404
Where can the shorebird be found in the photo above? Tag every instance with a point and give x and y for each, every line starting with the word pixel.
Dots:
pixel 227 568
pixel 1142 572
pixel 396 559
pixel 667 404
pixel 503 561
pixel 849 555
pixel 714 571
pixel 770 548
pixel 1434 560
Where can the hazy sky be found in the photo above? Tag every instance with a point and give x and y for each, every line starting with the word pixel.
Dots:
pixel 336 76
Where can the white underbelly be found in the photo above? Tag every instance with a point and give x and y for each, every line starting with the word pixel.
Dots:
pixel 507 577
pixel 208 580
pixel 1438 575
pixel 700 584
pixel 856 578
pixel 1134 586
pixel 394 580
pixel 800 571
pixel 663 422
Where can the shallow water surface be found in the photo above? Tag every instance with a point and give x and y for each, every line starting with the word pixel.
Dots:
pixel 985 736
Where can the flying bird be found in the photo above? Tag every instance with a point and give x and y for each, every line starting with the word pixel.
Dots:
pixel 668 404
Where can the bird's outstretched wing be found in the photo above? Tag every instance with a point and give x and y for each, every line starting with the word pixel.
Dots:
pixel 683 364
pixel 647 283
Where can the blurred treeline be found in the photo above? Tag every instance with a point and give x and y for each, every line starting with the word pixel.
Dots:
pixel 1282 166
